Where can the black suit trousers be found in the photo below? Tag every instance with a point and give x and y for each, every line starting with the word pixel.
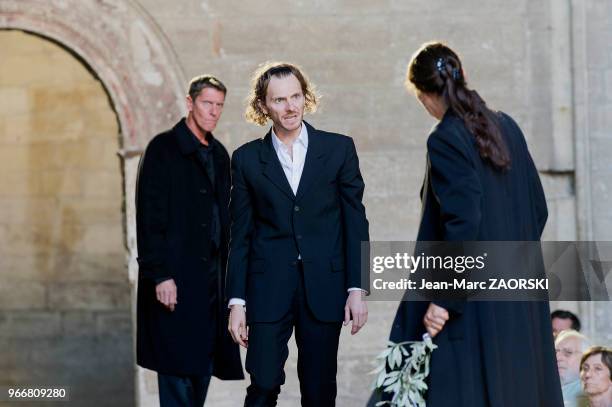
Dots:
pixel 317 344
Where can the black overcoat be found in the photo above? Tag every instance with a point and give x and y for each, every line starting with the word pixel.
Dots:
pixel 497 354
pixel 174 204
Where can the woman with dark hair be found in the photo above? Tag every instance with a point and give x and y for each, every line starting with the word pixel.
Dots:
pixel 596 376
pixel 480 185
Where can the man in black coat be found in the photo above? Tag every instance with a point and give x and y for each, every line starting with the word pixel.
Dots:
pixel 297 226
pixel 182 219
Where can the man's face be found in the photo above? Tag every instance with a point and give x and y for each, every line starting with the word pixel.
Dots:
pixel 284 103
pixel 561 324
pixel 205 110
pixel 568 359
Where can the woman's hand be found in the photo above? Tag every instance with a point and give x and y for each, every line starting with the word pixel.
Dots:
pixel 434 319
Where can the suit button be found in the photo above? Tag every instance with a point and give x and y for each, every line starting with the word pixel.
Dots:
pixel 203 225
pixel 299 237
pixel 294 263
pixel 296 208
pixel 203 191
pixel 204 259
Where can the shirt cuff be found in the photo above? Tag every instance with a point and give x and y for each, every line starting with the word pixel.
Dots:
pixel 236 301
pixel 355 289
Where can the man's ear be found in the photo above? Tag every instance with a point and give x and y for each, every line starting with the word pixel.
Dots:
pixel 262 107
pixel 189 103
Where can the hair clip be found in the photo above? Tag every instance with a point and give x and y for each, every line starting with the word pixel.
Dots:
pixel 440 64
pixel 456 73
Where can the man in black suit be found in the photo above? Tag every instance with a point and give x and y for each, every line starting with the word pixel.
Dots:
pixel 297 226
pixel 182 222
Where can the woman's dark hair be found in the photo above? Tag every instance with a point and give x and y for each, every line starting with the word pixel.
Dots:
pixel 606 356
pixel 436 69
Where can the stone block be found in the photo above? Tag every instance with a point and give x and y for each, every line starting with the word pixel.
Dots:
pixel 88 296
pixel 90 210
pixel 19 183
pixel 61 183
pixel 561 223
pixel 103 184
pixel 102 239
pixel 397 173
pixel 78 323
pixel 70 266
pixel 558 186
pixel 114 324
pixel 14 101
pixel 32 324
pixel 18 294
pixel 600 119
pixel 318 34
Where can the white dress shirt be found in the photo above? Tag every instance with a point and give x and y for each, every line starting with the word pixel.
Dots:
pixel 292 160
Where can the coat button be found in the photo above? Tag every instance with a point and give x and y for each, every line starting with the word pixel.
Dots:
pixel 296 208
pixel 294 263
pixel 203 191
pixel 203 259
pixel 203 225
pixel 299 237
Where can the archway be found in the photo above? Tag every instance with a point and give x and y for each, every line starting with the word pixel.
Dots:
pixel 125 50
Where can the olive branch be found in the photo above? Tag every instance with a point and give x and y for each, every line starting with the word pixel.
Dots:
pixel 402 373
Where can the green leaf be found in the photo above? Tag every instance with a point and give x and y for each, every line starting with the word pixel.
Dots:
pixel 384 353
pixel 378 369
pixel 381 378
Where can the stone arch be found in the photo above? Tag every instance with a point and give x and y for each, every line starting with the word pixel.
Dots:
pixel 123 47
pixel 127 52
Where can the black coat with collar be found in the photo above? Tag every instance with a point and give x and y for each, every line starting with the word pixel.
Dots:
pixel 490 353
pixel 324 222
pixel 174 204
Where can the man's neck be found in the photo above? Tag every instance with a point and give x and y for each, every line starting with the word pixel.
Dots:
pixel 288 138
pixel 200 135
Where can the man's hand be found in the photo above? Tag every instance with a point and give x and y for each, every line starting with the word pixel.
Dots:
pixel 166 293
pixel 434 319
pixel 237 325
pixel 357 308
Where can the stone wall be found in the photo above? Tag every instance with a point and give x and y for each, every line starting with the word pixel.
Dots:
pixel 547 63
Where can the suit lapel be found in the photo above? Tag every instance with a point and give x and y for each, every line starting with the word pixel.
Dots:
pixel 313 165
pixel 272 167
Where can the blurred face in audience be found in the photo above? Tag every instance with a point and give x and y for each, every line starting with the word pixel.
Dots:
pixel 568 359
pixel 595 377
pixel 561 324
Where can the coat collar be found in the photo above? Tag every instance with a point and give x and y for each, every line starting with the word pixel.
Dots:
pixel 312 165
pixel 185 138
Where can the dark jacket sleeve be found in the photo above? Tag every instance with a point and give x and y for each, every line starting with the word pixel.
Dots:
pixel 356 225
pixel 241 230
pixel 456 186
pixel 539 197
pixel 535 185
pixel 152 191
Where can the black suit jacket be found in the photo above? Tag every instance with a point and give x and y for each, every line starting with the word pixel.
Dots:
pixel 174 204
pixel 324 222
